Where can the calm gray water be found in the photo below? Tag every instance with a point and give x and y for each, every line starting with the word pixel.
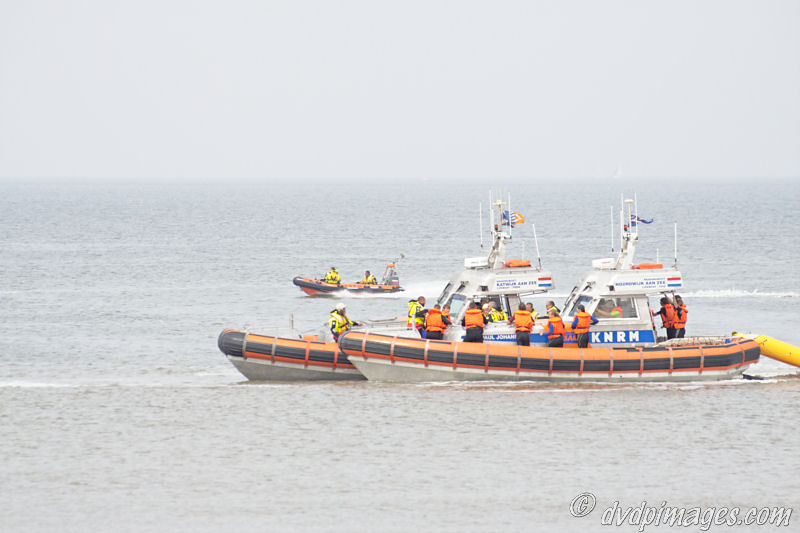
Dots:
pixel 118 412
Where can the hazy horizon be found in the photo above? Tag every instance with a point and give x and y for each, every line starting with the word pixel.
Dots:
pixel 419 90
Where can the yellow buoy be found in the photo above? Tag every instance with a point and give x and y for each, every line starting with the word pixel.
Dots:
pixel 779 350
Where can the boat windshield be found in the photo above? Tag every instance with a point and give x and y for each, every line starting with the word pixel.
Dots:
pixel 622 307
pixel 443 297
pixel 582 300
pixel 457 304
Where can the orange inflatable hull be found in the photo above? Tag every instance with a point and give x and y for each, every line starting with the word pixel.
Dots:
pixel 506 361
pixel 317 287
pixel 266 358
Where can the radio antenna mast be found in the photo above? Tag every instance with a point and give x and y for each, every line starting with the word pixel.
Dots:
pixel 675 265
pixel 480 218
pixel 536 241
pixel 612 229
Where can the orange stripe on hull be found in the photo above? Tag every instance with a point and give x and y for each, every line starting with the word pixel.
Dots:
pixel 538 360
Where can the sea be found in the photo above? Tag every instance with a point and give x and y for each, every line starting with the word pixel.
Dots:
pixel 119 413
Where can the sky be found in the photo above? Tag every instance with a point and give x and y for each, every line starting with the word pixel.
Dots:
pixel 370 89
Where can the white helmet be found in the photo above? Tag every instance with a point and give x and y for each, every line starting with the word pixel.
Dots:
pixel 340 306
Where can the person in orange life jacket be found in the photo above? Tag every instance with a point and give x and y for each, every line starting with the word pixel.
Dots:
pixel 416 315
pixel 580 326
pixel 435 323
pixel 473 321
pixel 680 317
pixel 446 311
pixel 667 313
pixel 616 311
pixel 555 330
pixel 524 324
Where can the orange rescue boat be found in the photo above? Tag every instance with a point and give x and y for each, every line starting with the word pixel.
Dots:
pixel 387 358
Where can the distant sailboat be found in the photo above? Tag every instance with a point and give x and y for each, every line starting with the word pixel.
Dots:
pixel 618 173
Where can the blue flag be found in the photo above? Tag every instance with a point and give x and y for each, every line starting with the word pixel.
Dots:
pixel 638 220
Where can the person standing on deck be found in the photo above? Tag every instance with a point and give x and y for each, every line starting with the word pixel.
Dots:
pixel 446 311
pixel 416 315
pixel 667 313
pixel 680 317
pixel 339 322
pixel 435 323
pixel 580 326
pixel 473 322
pixel 555 330
pixel 524 324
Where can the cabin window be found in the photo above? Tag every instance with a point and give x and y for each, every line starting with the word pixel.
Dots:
pixel 622 307
pixel 443 297
pixel 456 305
pixel 583 300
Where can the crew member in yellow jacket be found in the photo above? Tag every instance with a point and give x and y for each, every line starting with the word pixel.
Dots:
pixel 339 322
pixel 332 276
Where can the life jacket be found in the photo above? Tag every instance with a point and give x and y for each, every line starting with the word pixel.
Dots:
pixel 496 315
pixel 338 323
pixel 446 314
pixel 332 277
pixel 584 321
pixel 473 318
pixel 557 326
pixel 668 315
pixel 616 312
pixel 414 307
pixel 523 321
pixel 433 320
pixel 369 281
pixel 680 317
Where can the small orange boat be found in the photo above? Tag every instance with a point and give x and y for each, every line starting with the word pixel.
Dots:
pixel 390 283
pixel 388 358
pixel 264 358
pixel 317 287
